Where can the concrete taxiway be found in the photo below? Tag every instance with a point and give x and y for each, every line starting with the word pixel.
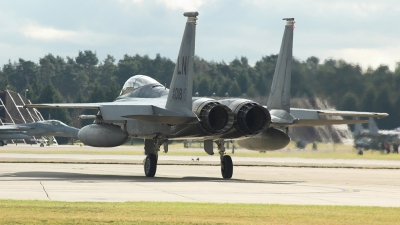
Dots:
pixel 203 159
pixel 200 183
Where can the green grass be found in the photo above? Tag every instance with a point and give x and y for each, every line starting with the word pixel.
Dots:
pixel 45 212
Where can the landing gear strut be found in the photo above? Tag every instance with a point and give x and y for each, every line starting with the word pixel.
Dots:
pixel 226 160
pixel 151 149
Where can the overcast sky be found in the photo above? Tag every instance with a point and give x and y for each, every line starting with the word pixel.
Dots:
pixel 358 31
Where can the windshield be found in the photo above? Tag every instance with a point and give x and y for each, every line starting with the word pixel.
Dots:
pixel 136 82
pixel 52 122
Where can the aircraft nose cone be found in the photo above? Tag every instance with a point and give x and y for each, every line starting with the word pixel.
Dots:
pixel 71 131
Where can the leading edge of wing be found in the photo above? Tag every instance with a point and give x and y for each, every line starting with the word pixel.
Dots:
pixel 65 105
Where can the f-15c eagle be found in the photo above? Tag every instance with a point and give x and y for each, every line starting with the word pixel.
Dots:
pixel 146 109
pixel 39 128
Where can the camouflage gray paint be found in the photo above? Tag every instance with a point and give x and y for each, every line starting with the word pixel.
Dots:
pixel 40 128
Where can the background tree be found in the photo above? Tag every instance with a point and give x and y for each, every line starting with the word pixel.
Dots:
pixel 84 78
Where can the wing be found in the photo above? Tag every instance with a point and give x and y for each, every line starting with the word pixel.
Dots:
pixel 65 105
pixel 150 110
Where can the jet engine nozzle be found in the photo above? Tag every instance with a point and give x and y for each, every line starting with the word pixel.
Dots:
pixel 250 117
pixel 215 118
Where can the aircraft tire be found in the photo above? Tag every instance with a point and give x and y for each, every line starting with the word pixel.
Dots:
pixel 1 143
pixel 226 167
pixel 150 165
pixel 361 152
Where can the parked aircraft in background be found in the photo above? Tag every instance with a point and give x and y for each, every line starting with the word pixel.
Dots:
pixel 146 109
pixel 375 139
pixel 40 128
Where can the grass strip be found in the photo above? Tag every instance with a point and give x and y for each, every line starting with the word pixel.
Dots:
pixel 53 212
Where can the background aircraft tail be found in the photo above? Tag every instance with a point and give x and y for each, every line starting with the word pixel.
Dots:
pixel 372 127
pixel 180 92
pixel 279 97
pixel 358 128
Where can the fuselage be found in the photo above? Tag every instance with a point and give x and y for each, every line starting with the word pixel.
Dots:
pixel 40 128
pixel 141 88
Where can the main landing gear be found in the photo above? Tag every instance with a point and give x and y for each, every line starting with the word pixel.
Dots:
pixel 151 149
pixel 150 165
pixel 226 160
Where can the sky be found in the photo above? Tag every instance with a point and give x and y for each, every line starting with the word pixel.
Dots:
pixel 360 32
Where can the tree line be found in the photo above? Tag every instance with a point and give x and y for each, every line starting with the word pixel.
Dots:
pixel 85 78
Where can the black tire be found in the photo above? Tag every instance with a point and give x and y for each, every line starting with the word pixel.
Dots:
pixel 1 143
pixel 361 152
pixel 226 167
pixel 150 165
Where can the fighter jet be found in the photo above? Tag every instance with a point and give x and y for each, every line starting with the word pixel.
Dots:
pixel 40 128
pixel 373 138
pixel 148 110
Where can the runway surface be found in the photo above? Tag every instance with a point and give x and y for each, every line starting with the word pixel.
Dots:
pixel 165 159
pixel 199 183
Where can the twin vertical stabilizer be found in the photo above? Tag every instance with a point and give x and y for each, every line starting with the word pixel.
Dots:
pixel 279 97
pixel 180 92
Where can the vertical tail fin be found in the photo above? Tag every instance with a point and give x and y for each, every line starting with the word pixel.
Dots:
pixel 358 128
pixel 372 127
pixel 279 97
pixel 180 92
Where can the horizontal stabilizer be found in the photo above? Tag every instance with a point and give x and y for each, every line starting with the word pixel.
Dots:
pixel 314 114
pixel 327 122
pixel 14 136
pixel 170 120
pixel 351 113
pixel 6 128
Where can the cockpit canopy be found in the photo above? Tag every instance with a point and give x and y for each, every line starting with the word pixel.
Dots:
pixel 137 81
pixel 53 122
